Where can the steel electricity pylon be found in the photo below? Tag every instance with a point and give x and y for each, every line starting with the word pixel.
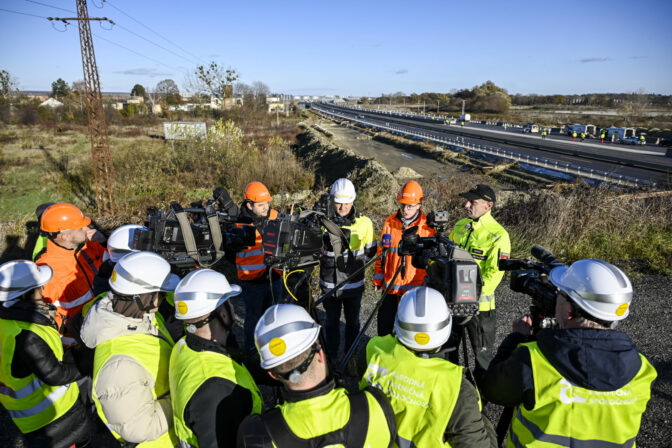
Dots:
pixel 100 145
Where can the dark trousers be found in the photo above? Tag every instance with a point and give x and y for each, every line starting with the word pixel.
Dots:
pixel 350 303
pixel 257 298
pixel 481 331
pixel 386 314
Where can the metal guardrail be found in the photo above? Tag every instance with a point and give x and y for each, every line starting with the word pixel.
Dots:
pixel 541 162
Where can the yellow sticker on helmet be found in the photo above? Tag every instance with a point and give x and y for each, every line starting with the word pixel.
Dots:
pixel 114 276
pixel 182 307
pixel 622 309
pixel 422 338
pixel 277 346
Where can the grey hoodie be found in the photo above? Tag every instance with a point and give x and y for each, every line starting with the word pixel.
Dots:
pixel 124 387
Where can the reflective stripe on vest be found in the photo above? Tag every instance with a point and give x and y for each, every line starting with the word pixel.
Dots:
pixel 568 415
pixel 423 391
pixel 347 286
pixel 153 353
pixel 74 303
pixel 250 262
pixel 31 403
pixel 190 369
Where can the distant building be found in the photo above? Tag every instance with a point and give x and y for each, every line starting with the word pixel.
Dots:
pixel 51 103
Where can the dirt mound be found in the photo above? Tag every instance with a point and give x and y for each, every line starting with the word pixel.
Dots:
pixel 373 182
pixel 405 172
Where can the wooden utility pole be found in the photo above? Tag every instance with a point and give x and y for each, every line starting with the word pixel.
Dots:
pixel 103 172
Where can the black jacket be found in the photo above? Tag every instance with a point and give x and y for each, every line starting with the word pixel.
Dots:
pixel 33 355
pixel 218 407
pixel 601 360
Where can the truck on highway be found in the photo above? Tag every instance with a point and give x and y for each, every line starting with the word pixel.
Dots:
pixel 588 129
pixel 618 134
pixel 531 129
pixel 464 117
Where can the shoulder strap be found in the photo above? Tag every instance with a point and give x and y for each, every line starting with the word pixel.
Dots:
pixel 385 405
pixel 353 434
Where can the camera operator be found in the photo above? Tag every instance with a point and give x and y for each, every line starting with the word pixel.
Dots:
pixel 487 241
pixel 410 214
pixel 252 272
pixel 569 382
pixel 363 247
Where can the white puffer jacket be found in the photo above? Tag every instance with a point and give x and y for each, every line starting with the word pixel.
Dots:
pixel 124 386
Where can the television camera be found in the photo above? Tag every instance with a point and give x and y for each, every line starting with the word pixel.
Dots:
pixel 197 236
pixel 451 270
pixel 530 277
pixel 294 240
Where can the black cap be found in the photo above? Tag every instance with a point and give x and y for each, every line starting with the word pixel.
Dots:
pixel 480 191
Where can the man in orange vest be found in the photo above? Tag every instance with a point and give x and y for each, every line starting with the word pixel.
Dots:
pixel 252 272
pixel 74 252
pixel 410 214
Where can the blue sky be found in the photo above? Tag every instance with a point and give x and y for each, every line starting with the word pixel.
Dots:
pixel 353 48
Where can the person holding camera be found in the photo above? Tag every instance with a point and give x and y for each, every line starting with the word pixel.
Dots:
pixel 487 241
pixel 333 271
pixel 409 215
pixel 211 390
pixel 314 411
pixel 583 384
pixel 252 272
pixel 434 404
pixel 38 377
pixel 132 351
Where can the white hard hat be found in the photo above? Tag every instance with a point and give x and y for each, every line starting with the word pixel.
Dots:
pixel 20 276
pixel 343 191
pixel 423 319
pixel 142 272
pixel 599 288
pixel 284 332
pixel 201 292
pixel 120 241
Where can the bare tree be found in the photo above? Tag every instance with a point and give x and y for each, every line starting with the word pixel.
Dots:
pixel 215 80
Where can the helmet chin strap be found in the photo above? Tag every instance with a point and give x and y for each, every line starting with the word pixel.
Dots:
pixel 214 314
pixel 294 376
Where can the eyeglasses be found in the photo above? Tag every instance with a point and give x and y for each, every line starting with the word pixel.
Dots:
pixel 408 206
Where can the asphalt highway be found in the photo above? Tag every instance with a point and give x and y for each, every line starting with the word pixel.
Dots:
pixel 642 162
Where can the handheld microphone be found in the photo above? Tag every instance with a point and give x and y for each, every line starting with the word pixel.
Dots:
pixel 386 240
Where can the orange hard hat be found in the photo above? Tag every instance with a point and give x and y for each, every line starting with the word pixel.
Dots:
pixel 257 192
pixel 63 216
pixel 410 193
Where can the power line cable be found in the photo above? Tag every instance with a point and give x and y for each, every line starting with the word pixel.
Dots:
pixel 22 13
pixel 158 34
pixel 51 6
pixel 154 43
pixel 135 52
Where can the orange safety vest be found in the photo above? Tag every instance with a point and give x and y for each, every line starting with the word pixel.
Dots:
pixel 383 273
pixel 250 261
pixel 70 288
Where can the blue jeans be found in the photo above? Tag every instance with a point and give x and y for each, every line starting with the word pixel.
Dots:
pixel 257 298
pixel 351 305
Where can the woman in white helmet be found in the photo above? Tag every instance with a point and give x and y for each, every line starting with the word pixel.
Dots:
pixel 37 387
pixel 314 410
pixel 433 402
pixel 132 351
pixel 359 230
pixel 211 390
pixel 583 381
